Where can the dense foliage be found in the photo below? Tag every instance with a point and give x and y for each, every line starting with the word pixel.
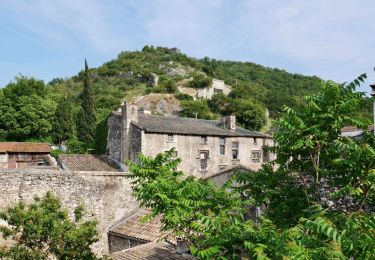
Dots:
pixel 200 81
pixel 303 193
pixel 86 121
pixel 26 110
pixel 62 126
pixel 43 230
pixel 28 106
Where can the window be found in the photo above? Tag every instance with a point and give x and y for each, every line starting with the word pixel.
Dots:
pixel 256 155
pixel 235 146
pixel 222 145
pixel 217 91
pixel 170 138
pixel 174 154
pixel 255 141
pixel 203 139
pixel 203 157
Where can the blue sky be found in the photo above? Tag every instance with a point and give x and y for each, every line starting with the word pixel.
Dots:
pixel 332 39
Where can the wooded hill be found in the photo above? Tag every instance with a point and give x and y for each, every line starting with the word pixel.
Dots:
pixel 28 106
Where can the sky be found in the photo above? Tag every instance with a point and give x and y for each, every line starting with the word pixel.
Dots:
pixel 332 39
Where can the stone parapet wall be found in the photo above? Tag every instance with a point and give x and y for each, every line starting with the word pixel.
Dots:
pixel 106 196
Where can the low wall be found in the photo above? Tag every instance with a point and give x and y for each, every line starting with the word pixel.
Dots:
pixel 106 196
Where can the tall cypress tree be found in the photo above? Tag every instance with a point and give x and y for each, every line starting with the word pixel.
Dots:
pixel 62 127
pixel 86 122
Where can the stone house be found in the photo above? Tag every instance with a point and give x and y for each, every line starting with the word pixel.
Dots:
pixel 353 131
pixel 217 87
pixel 24 154
pixel 130 231
pixel 205 147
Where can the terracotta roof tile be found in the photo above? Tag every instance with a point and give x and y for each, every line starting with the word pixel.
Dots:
pixel 151 251
pixel 87 162
pixel 132 227
pixel 24 147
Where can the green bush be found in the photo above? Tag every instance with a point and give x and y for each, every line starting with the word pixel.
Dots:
pixel 183 96
pixel 200 81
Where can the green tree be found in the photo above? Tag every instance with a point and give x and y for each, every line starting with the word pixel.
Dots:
pixel 62 124
pixel 86 122
pixel 195 109
pixel 250 114
pixel 200 81
pixel 314 164
pixel 26 110
pixel 43 230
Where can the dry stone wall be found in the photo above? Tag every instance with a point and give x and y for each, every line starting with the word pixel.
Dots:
pixel 106 196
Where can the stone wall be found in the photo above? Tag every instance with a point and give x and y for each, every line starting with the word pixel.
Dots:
pixel 188 148
pixel 106 196
pixel 119 243
pixel 136 142
pixel 114 136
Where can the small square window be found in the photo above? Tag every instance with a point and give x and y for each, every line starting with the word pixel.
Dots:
pixel 256 156
pixel 174 154
pixel 255 141
pixel 170 138
pixel 203 139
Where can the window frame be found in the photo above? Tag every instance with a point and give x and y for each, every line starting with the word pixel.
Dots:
pixel 204 139
pixel 206 154
pixel 170 138
pixel 222 145
pixel 236 149
pixel 256 159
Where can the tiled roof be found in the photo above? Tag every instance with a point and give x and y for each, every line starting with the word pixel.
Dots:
pixel 151 251
pixel 87 162
pixel 351 128
pixel 24 147
pixel 189 126
pixel 132 227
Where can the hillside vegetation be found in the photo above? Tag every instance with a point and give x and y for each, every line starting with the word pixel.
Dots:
pixel 27 106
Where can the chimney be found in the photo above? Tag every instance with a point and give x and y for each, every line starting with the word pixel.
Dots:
pixel 228 122
pixel 181 246
pixel 129 113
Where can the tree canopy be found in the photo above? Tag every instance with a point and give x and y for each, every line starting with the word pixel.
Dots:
pixel 86 121
pixel 43 230
pixel 314 196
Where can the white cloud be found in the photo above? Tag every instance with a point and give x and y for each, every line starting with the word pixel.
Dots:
pixel 332 39
pixel 68 23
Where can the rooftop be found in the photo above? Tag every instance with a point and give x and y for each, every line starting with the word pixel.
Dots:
pixel 151 250
pixel 24 147
pixel 351 128
pixel 189 126
pixel 87 162
pixel 132 227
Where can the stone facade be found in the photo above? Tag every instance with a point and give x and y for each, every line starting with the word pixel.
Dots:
pixel 217 86
pixel 118 243
pixel 202 153
pixel 114 135
pixel 189 149
pixel 106 196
